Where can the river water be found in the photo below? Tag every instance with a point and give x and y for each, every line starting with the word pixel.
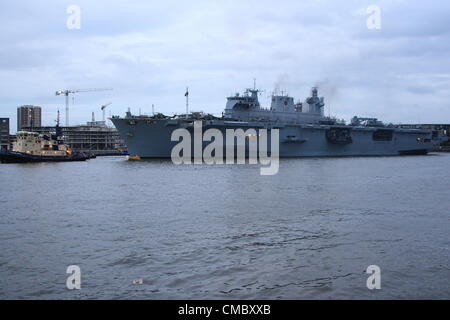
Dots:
pixel 225 231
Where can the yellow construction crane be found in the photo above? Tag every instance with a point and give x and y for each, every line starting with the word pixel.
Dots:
pixel 68 92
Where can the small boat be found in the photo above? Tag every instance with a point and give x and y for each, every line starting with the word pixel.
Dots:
pixel 134 158
pixel 35 147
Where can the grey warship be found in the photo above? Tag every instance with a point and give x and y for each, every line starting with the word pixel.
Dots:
pixel 304 130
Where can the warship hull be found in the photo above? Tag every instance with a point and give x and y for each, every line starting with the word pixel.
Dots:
pixel 152 138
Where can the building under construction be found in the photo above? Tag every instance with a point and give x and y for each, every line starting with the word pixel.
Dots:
pixel 94 137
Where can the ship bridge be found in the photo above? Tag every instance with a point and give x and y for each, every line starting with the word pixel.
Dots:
pixel 246 107
pixel 282 103
pixel 247 102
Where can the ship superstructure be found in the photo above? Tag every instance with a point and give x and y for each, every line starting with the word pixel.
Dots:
pixel 33 143
pixel 246 107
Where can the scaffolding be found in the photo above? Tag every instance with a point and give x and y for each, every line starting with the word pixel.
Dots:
pixel 93 138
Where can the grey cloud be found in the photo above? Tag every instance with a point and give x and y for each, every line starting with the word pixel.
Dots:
pixel 149 51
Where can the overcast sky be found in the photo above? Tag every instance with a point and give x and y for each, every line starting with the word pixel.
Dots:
pixel 149 51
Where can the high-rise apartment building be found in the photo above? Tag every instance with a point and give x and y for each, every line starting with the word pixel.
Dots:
pixel 29 116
